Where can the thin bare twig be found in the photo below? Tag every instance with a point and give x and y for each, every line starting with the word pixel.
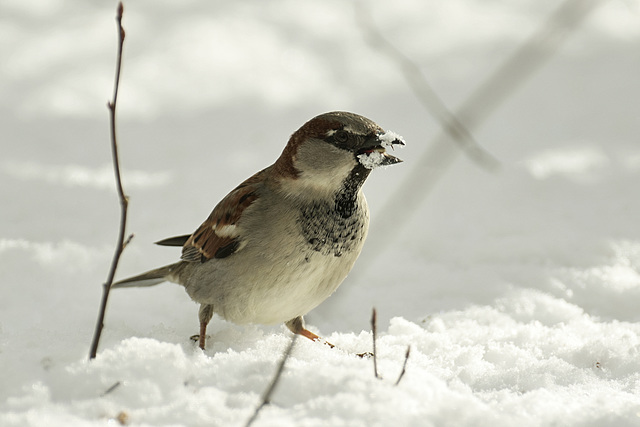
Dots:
pixel 110 389
pixel 266 397
pixel 124 201
pixel 374 332
pixel 129 239
pixel 404 365
pixel 449 122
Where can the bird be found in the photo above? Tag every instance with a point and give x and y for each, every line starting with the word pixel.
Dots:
pixel 282 241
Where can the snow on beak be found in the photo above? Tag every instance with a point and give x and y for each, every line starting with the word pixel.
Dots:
pixel 374 153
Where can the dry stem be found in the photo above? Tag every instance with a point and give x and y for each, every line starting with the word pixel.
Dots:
pixel 374 330
pixel 404 365
pixel 124 201
pixel 266 397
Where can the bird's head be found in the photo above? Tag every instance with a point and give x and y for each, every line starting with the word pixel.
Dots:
pixel 336 146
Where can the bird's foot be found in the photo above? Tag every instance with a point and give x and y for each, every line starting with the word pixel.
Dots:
pixel 199 339
pixel 313 337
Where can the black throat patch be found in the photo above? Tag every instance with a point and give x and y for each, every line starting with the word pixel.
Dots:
pixel 338 226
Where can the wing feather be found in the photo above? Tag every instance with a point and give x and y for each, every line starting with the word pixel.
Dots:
pixel 219 236
pixel 174 241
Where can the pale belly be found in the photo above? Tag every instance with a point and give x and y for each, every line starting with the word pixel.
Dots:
pixel 293 293
pixel 273 291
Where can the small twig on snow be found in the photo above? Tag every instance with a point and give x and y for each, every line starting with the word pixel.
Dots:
pixel 124 201
pixel 404 365
pixel 266 397
pixel 374 331
pixel 110 389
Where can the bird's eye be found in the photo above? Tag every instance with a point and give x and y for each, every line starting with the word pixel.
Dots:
pixel 341 136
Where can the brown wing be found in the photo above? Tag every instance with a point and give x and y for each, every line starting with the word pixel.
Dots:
pixel 218 236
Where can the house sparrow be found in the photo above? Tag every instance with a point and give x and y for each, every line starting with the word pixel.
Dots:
pixel 281 242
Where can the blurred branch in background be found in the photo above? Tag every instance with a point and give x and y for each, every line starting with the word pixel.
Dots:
pixel 425 93
pixel 437 158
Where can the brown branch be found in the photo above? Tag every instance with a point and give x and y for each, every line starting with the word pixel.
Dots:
pixel 124 201
pixel 404 365
pixel 266 397
pixel 374 331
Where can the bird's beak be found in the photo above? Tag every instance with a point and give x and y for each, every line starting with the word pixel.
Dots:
pixel 374 151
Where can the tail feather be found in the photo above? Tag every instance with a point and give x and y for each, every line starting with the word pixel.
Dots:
pixel 150 278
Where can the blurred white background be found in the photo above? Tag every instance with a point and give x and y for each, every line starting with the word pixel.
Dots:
pixel 211 91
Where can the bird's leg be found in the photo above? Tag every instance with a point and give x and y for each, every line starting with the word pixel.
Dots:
pixel 204 314
pixel 203 334
pixel 296 325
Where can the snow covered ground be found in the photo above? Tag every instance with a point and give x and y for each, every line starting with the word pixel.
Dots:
pixel 518 291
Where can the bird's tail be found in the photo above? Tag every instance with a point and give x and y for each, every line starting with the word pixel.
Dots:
pixel 150 278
